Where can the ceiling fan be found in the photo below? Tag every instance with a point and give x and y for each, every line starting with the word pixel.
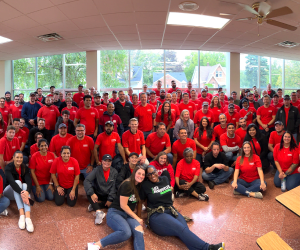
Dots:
pixel 263 13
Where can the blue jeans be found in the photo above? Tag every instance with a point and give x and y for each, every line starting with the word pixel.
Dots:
pixel 200 159
pixel 83 171
pixel 219 177
pixel 245 188
pixel 165 224
pixel 44 194
pixel 12 195
pixel 230 156
pixel 4 203
pixel 3 177
pixel 271 159
pixel 292 181
pixel 146 133
pixel 124 226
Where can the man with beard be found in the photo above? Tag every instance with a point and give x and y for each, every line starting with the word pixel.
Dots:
pixel 5 111
pixel 106 143
pixel 232 116
pixel 236 101
pixel 194 99
pixel 50 113
pixel 242 130
pixel 248 113
pixel 186 104
pixel 157 90
pixel 16 109
pixel 162 97
pixel 221 128
pixel 78 97
pixel 8 101
pixel 153 100
pixel 110 115
pixel 30 110
pixel 97 104
pixel 174 88
pixel 40 128
pixel 114 96
pixel 203 97
pixel 40 95
pixel 22 102
pixel 252 102
pixel 276 104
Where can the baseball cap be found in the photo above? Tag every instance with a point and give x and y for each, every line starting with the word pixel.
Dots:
pixel 230 98
pixel 203 90
pixel 152 92
pixel 97 95
pixel 105 93
pixel 162 90
pixel 32 94
pixel 80 85
pixel 62 125
pixel 205 104
pixel 249 93
pixel 106 157
pixel 114 91
pixel 278 122
pixel 275 95
pixel 231 105
pixel 286 97
pixel 110 123
pixel 244 100
pixel 7 92
pixel 133 153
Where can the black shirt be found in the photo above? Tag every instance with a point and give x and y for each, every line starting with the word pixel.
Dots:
pixel 125 190
pixel 158 193
pixel 210 160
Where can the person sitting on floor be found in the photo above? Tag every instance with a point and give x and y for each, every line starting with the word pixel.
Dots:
pixel 4 201
pixel 251 177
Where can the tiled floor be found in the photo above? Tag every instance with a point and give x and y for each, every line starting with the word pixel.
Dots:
pixel 237 220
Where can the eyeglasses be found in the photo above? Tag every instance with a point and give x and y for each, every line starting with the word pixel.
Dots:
pixel 150 174
pixel 79 130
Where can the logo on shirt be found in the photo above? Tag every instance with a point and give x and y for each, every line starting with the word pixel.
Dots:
pixel 85 145
pixel 114 121
pixel 13 147
pixel 251 163
pixel 5 111
pixel 132 198
pixel 193 169
pixel 93 113
pixel 138 139
pixel 51 109
pixel 113 140
pixel 161 191
pixel 49 161
pixel 270 111
pixel 290 155
pixel 163 142
pixel 233 142
pixel 70 168
pixel 190 107
pixel 19 137
pixel 233 118
pixel 148 109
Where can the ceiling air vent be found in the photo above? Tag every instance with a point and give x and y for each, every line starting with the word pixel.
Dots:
pixel 288 44
pixel 188 6
pixel 50 37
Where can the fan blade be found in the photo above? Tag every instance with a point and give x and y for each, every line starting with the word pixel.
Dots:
pixel 264 8
pixel 280 12
pixel 248 8
pixel 244 19
pixel 281 25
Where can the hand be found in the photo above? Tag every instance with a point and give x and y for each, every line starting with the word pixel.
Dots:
pixel 95 134
pixel 1 195
pixel 263 186
pixel 182 187
pixel 142 159
pixel 60 191
pixel 282 175
pixel 267 129
pixel 31 122
pixel 187 185
pixel 140 221
pixel 25 196
pixel 72 195
pixel 108 203
pixel 205 149
pixel 233 164
pixel 94 198
pixel 234 185
pixel 50 187
pixel 249 113
pixel 125 162
pixel 98 163
pixel 264 126
pixel 38 191
pixel 89 169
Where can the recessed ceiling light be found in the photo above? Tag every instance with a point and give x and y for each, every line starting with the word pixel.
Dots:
pixel 187 19
pixel 4 40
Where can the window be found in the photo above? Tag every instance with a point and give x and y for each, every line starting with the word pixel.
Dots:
pixel 218 73
pixel 24 74
pixel 292 74
pixel 264 70
pixel 276 72
pixel 248 71
pixel 75 64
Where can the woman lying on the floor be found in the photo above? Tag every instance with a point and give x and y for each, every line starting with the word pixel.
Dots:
pixel 163 218
pixel 251 180
pixel 120 216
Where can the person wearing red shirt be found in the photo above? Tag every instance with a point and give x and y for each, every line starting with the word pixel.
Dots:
pixel 8 101
pixel 167 117
pixel 162 96
pixel 89 117
pixel 252 103
pixel 135 101
pixel 3 126
pixel 189 90
pixel 204 112
pixel 16 109
pixel 72 109
pixel 82 150
pixel 242 130
pixel 186 177
pixel 97 105
pixel 195 100
pixel 251 177
pixel 216 108
pixel 203 97
pixel 105 100
pixel 186 104
pixel 157 90
pixel 231 101
pixel 203 138
pixel 60 140
pixel 294 101
pixel 5 111
pixel 40 165
pixel 221 128
pixel 86 92
pixel 144 90
pixel 275 103
pixel 78 97
pixel 34 148
pixel 222 100
pixel 174 107
pixel 158 141
pixel 65 173
pixel 114 96
pixel 286 157
pixel 174 88
pixel 133 141
pixel 232 116
pixel 220 90
pixel 248 113
pixel 50 113
pixel 153 100
pixel 145 113
pixel 174 98
pixel 106 142
pixel 230 143
pixel 179 146
pixel 20 134
pixel 275 138
pixel 4 201
pixel 110 115
pixel 266 117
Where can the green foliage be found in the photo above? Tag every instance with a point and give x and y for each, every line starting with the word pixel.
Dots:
pixel 191 61
pixel 213 58
pixel 276 76
pixel 292 74
pixel 24 73
pixel 264 72
pixel 75 69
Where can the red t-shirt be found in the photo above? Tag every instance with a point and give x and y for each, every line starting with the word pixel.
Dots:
pixel 101 109
pixel 5 113
pixel 295 104
pixel 191 107
pixel 197 104
pixel 26 130
pixel 286 110
pixel 8 148
pixel 136 105
pixel 34 148
pixel 133 142
pixel 204 140
pixel 244 112
pixel 174 110
pixel 200 114
pixel 81 150
pixel 278 106
pixel 236 108
pixel 156 144
pixel 21 136
pixel 187 172
pixel 42 166
pixel 9 104
pixel 157 92
pixel 19 171
pixel 171 90
pixel 241 133
pixel 154 104
pixel 66 172
pixel 81 104
pixel 3 129
pixel 107 144
pixel 275 138
pixel 178 147
pixel 230 142
pixel 201 100
pixel 218 131
pixel 248 169
pixel 232 118
pixel 266 115
pixel 145 116
pixel 106 174
pixel 114 118
pixel 216 112
pixel 223 104
pixel 161 100
pixel 72 111
pixel 57 142
pixel 88 118
pixel 113 100
pixel 16 111
pixel 49 114
pixel 78 97
pixel 166 117
pixel 257 147
pixel 285 157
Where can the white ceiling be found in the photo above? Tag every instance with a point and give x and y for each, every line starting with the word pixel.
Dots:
pixel 89 25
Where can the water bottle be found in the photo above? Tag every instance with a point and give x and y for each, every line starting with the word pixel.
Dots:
pixel 283 185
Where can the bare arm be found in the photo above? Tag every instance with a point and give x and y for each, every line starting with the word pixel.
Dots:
pixel 127 152
pixel 291 169
pixel 76 121
pixel 174 161
pixel 121 150
pixel 270 147
pixel 96 154
pixel 22 146
pixel 143 150
pixel 149 153
pixel 127 210
pixel 167 150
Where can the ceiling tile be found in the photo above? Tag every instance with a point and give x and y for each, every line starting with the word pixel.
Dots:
pixel 130 43
pixel 120 19
pixel 197 38
pixel 178 29
pixel 56 2
pixel 129 37
pixel 37 31
pixel 21 22
pixel 104 38
pixel 114 6
pixel 153 5
pixel 80 40
pixel 46 16
pixel 72 34
pixel 218 39
pixel 213 45
pixel 77 9
pixel 151 28
pixel 116 47
pixel 123 29
pixel 151 36
pixel 132 47
pixel 62 26
pixel 89 45
pixel 29 6
pixel 152 42
pixel 89 22
pixel 172 42
pixel 239 42
pixel 5 29
pixel 17 35
pixel 7 12
pixel 97 31
pixel 151 17
pixel 110 44
pixel 173 36
pixel 204 31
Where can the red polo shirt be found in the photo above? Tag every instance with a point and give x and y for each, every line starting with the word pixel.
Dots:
pixel 165 120
pixel 16 111
pixel 232 118
pixel 286 157
pixel 154 104
pixel 88 118
pixel 21 136
pixel 230 142
pixel 191 107
pixel 241 133
pixel 187 172
pixel 216 112
pixel 248 169
pixel 178 147
pixel 145 117
pixel 5 113
pixel 266 115
pixel 156 144
pixel 72 111
pixel 204 140
pixel 57 142
pixel 78 97
pixel 202 100
pixel 107 144
pixel 218 131
pixel 9 104
pixel 197 104
pixel 275 138
pixel 8 148
pixel 200 114
pixel 133 142
pixel 277 106
pixel 50 115
pixel 114 118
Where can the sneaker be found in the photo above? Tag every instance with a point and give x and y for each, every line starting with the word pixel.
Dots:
pixel 235 192
pixel 203 197
pixel 5 212
pixel 21 222
pixel 258 195
pixel 99 217
pixel 29 225
pixel 211 184
pixel 179 194
pixel 90 208
pixel 92 246
pixel 173 197
pixel 220 246
pixel 143 207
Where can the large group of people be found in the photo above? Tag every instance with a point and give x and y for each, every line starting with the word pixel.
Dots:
pixel 144 150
